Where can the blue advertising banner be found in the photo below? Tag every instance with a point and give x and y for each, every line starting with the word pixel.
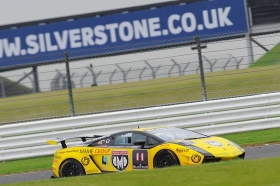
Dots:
pixel 121 32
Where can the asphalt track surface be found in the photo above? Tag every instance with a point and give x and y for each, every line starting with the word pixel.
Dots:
pixel 266 151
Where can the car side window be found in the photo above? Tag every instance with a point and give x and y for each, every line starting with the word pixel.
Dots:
pixel 127 139
pixel 152 141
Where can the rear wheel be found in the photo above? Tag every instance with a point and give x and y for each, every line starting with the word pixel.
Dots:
pixel 71 168
pixel 165 158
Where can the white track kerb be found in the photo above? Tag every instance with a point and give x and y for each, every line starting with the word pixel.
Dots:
pixel 24 140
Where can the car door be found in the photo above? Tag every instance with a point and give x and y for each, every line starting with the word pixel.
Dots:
pixel 126 155
pixel 118 152
pixel 101 152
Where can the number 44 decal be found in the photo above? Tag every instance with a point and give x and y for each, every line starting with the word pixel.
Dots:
pixel 140 159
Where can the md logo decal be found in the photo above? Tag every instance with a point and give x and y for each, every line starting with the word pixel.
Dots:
pixel 120 159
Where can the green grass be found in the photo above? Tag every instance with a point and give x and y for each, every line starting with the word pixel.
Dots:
pixel 44 163
pixel 26 165
pixel 256 137
pixel 141 94
pixel 260 172
pixel 272 57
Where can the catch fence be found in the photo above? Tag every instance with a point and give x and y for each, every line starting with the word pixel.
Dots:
pixel 142 78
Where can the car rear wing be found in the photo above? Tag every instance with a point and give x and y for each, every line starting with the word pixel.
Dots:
pixel 63 143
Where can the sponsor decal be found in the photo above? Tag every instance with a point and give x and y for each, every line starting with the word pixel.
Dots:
pixel 102 151
pixel 72 151
pixel 214 143
pixel 85 160
pixel 92 171
pixel 182 150
pixel 221 154
pixel 140 159
pixel 196 158
pixel 157 130
pixel 131 31
pixel 120 159
pixel 57 157
pixel 86 151
pixel 100 138
pixel 55 160
pixel 127 135
pixel 105 160
pixel 165 145
pixel 100 142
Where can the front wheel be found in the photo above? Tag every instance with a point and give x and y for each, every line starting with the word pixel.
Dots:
pixel 71 168
pixel 165 158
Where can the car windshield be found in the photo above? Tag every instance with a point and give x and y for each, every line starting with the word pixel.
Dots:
pixel 171 133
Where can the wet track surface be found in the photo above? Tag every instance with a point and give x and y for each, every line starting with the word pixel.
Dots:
pixel 251 153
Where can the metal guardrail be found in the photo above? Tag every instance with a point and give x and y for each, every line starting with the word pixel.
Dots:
pixel 215 117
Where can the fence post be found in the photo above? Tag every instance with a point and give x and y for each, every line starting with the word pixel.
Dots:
pixel 69 85
pixel 2 88
pixel 198 42
pixel 94 76
pixel 36 79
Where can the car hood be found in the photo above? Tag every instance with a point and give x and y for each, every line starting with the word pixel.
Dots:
pixel 217 146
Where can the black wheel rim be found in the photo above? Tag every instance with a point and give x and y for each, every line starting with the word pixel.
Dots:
pixel 164 159
pixel 70 169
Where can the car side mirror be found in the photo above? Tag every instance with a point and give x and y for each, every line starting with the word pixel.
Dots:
pixel 139 142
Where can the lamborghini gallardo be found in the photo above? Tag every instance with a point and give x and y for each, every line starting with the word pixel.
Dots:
pixel 137 149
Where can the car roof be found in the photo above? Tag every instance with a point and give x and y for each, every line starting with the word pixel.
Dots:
pixel 150 128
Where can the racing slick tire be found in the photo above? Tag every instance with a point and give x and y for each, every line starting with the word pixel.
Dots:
pixel 71 167
pixel 165 158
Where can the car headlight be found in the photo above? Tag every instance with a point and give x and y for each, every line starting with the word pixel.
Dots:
pixel 234 144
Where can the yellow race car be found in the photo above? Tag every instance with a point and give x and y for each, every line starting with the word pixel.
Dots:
pixel 147 148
